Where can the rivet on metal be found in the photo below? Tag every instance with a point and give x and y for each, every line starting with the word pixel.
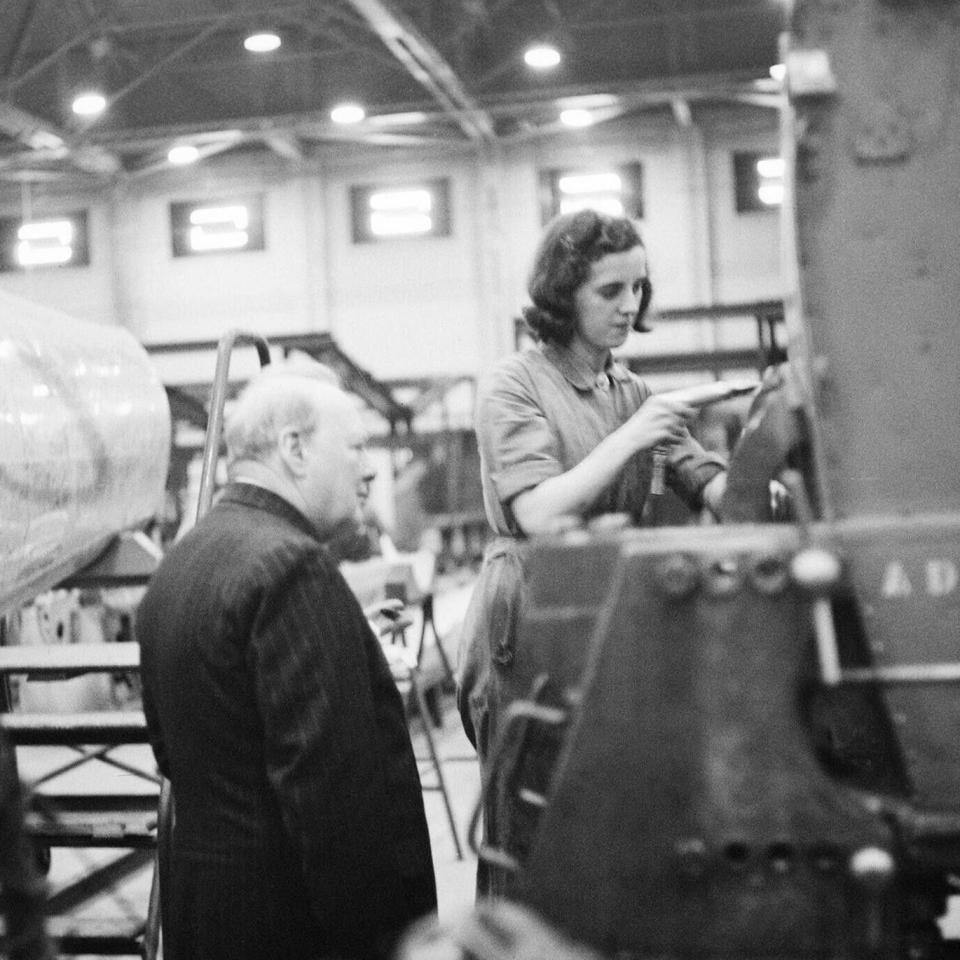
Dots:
pixel 815 569
pixel 769 574
pixel 724 577
pixel 678 575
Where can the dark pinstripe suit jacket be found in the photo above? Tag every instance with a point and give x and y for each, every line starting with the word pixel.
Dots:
pixel 300 828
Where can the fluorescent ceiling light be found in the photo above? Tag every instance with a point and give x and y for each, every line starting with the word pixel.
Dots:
pixel 183 154
pixel 576 118
pixel 347 113
pixel 770 168
pixel 33 256
pixel 590 183
pixel 410 200
pixel 235 215
pixel 59 230
pixel 779 72
pixel 44 242
pixel 262 42
pixel 203 240
pixel 541 57
pixel 89 103
pixel 384 224
pixel 770 194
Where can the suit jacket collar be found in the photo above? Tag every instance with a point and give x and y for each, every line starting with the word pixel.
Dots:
pixel 251 495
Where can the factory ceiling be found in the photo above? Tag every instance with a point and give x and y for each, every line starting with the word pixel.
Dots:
pixel 427 72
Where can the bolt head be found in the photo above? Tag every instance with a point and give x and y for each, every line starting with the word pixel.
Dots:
pixel 872 864
pixel 815 568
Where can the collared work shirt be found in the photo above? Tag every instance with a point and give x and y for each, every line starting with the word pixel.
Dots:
pixel 541 412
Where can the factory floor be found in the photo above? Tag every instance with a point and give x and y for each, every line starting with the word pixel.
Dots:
pixel 122 905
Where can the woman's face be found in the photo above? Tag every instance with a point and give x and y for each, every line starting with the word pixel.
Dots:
pixel 607 302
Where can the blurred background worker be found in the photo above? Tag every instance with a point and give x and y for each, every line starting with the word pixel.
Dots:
pixel 299 830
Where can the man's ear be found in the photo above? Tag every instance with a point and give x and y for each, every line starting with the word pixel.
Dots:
pixel 290 449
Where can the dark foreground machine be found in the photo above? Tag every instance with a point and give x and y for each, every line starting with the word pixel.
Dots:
pixel 744 740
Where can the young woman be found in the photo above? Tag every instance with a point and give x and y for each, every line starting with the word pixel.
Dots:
pixel 564 429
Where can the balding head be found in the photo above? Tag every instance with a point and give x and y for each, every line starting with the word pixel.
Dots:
pixel 290 393
pixel 294 431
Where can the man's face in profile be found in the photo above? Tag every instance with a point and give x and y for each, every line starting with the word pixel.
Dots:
pixel 338 471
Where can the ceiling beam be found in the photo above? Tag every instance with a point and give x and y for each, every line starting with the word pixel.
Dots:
pixel 22 34
pixel 11 83
pixel 29 130
pixel 48 142
pixel 209 149
pixel 163 63
pixel 426 65
pixel 416 127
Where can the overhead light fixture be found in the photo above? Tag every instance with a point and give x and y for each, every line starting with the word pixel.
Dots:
pixel 770 172
pixel 603 182
pixel 576 118
pixel 771 168
pixel 770 194
pixel 779 72
pixel 263 42
pixel 347 113
pixel 541 56
pixel 45 242
pixel 90 103
pixel 183 154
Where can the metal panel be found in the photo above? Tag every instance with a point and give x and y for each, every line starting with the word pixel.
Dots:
pixel 905 577
pixel 84 443
pixel 876 124
pixel 688 802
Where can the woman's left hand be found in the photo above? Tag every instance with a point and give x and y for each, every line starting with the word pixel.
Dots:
pixel 713 491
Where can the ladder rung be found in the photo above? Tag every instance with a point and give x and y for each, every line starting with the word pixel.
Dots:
pixel 101 835
pixel 69 658
pixel 96 802
pixel 92 833
pixel 108 937
pixel 64 729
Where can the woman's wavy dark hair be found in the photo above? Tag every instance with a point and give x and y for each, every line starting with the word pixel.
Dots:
pixel 570 244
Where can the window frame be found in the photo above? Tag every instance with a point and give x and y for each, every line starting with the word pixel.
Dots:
pixel 631 175
pixel 180 226
pixel 439 188
pixel 747 182
pixel 10 227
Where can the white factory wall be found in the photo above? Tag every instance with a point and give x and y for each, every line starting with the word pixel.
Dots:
pixel 407 308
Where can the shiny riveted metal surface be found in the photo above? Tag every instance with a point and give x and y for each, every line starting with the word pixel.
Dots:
pixel 84 443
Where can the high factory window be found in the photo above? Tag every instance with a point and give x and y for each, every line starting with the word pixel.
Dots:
pixel 617 190
pixel 396 211
pixel 758 181
pixel 227 225
pixel 60 240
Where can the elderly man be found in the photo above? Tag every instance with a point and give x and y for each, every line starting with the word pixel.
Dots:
pixel 299 829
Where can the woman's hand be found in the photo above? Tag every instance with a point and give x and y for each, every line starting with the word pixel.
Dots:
pixel 661 420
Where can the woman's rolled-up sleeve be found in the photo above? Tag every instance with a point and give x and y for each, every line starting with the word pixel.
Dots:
pixel 519 445
pixel 691 468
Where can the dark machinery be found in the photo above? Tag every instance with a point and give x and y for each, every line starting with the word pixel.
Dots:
pixel 742 740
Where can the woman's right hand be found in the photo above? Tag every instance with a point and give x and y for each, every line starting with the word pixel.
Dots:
pixel 661 420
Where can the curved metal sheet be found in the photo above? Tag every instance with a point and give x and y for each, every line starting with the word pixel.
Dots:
pixel 84 443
